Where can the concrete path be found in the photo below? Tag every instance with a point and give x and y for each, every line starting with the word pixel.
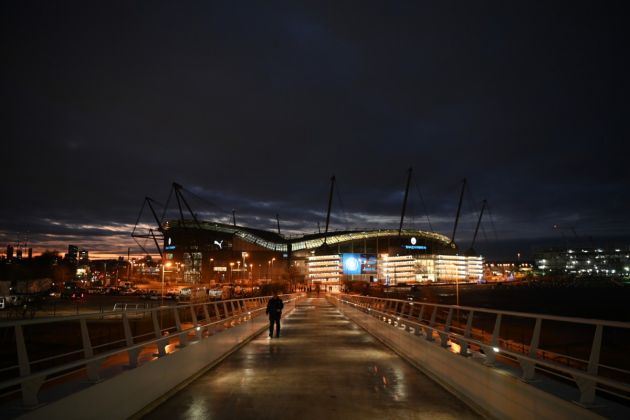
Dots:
pixel 322 367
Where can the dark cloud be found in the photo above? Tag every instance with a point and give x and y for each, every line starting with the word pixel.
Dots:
pixel 255 106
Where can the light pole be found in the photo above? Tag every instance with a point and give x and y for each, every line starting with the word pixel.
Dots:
pixel 243 256
pixel 168 264
pixel 231 267
pixel 272 260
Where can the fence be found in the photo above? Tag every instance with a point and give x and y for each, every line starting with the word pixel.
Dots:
pixel 591 355
pixel 42 353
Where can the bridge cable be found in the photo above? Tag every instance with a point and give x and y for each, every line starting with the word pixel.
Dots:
pixel 415 183
pixel 168 200
pixel 205 201
pixel 343 210
pixel 494 229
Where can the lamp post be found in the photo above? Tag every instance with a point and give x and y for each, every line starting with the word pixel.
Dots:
pixel 231 267
pixel 272 260
pixel 164 265
pixel 168 264
pixel 243 256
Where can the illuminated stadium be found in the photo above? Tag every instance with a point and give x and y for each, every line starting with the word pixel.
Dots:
pixel 210 253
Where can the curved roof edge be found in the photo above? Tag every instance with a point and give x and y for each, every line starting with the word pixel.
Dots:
pixel 275 242
pixel 315 241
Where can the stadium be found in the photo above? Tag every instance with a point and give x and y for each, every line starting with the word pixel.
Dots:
pixel 212 253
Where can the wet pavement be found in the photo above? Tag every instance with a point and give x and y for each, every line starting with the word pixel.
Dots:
pixel 322 367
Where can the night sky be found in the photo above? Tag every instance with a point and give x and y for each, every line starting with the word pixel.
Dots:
pixel 254 105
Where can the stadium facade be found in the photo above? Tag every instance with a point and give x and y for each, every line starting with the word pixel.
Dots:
pixel 209 252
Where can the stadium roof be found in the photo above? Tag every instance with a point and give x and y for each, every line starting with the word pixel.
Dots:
pixel 276 242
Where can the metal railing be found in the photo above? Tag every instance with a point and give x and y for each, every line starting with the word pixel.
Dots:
pixel 43 350
pixel 514 338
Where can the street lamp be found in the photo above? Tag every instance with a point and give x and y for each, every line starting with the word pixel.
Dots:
pixel 272 260
pixel 168 264
pixel 243 256
pixel 231 267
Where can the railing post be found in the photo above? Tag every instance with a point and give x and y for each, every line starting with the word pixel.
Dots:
pixel 447 329
pixel 587 386
pixel 23 362
pixel 88 352
pixel 132 353
pixel 216 310
pixel 419 327
pixel 206 314
pixel 429 329
pixel 226 313
pixel 491 356
pixel 529 368
pixel 193 315
pixel 161 344
pixel 463 345
pixel 234 313
pixel 407 326
pixel 183 337
pixel 30 388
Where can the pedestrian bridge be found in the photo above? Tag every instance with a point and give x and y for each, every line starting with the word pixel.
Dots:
pixel 339 356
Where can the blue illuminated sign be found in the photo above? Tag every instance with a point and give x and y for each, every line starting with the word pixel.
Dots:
pixel 355 264
pixel 415 247
pixel 169 247
pixel 351 264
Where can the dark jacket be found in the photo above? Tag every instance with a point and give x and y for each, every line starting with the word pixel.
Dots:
pixel 274 307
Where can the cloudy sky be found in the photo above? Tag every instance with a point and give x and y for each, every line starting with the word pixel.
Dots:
pixel 253 106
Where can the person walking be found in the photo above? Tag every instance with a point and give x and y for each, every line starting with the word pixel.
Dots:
pixel 274 310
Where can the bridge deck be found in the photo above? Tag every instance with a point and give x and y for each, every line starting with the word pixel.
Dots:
pixel 322 367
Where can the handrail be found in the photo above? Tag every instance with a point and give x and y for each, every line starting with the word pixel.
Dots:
pixel 30 382
pixel 586 380
pixel 606 323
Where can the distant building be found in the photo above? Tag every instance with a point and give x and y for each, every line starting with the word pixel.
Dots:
pixel 613 262
pixel 507 270
pixel 73 254
pixel 9 252
pixel 84 257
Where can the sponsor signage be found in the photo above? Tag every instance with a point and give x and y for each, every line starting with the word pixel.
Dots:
pixel 415 247
pixel 354 264
pixel 220 268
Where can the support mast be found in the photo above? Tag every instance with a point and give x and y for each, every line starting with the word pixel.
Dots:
pixel 459 208
pixel 330 197
pixel 404 206
pixel 471 251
